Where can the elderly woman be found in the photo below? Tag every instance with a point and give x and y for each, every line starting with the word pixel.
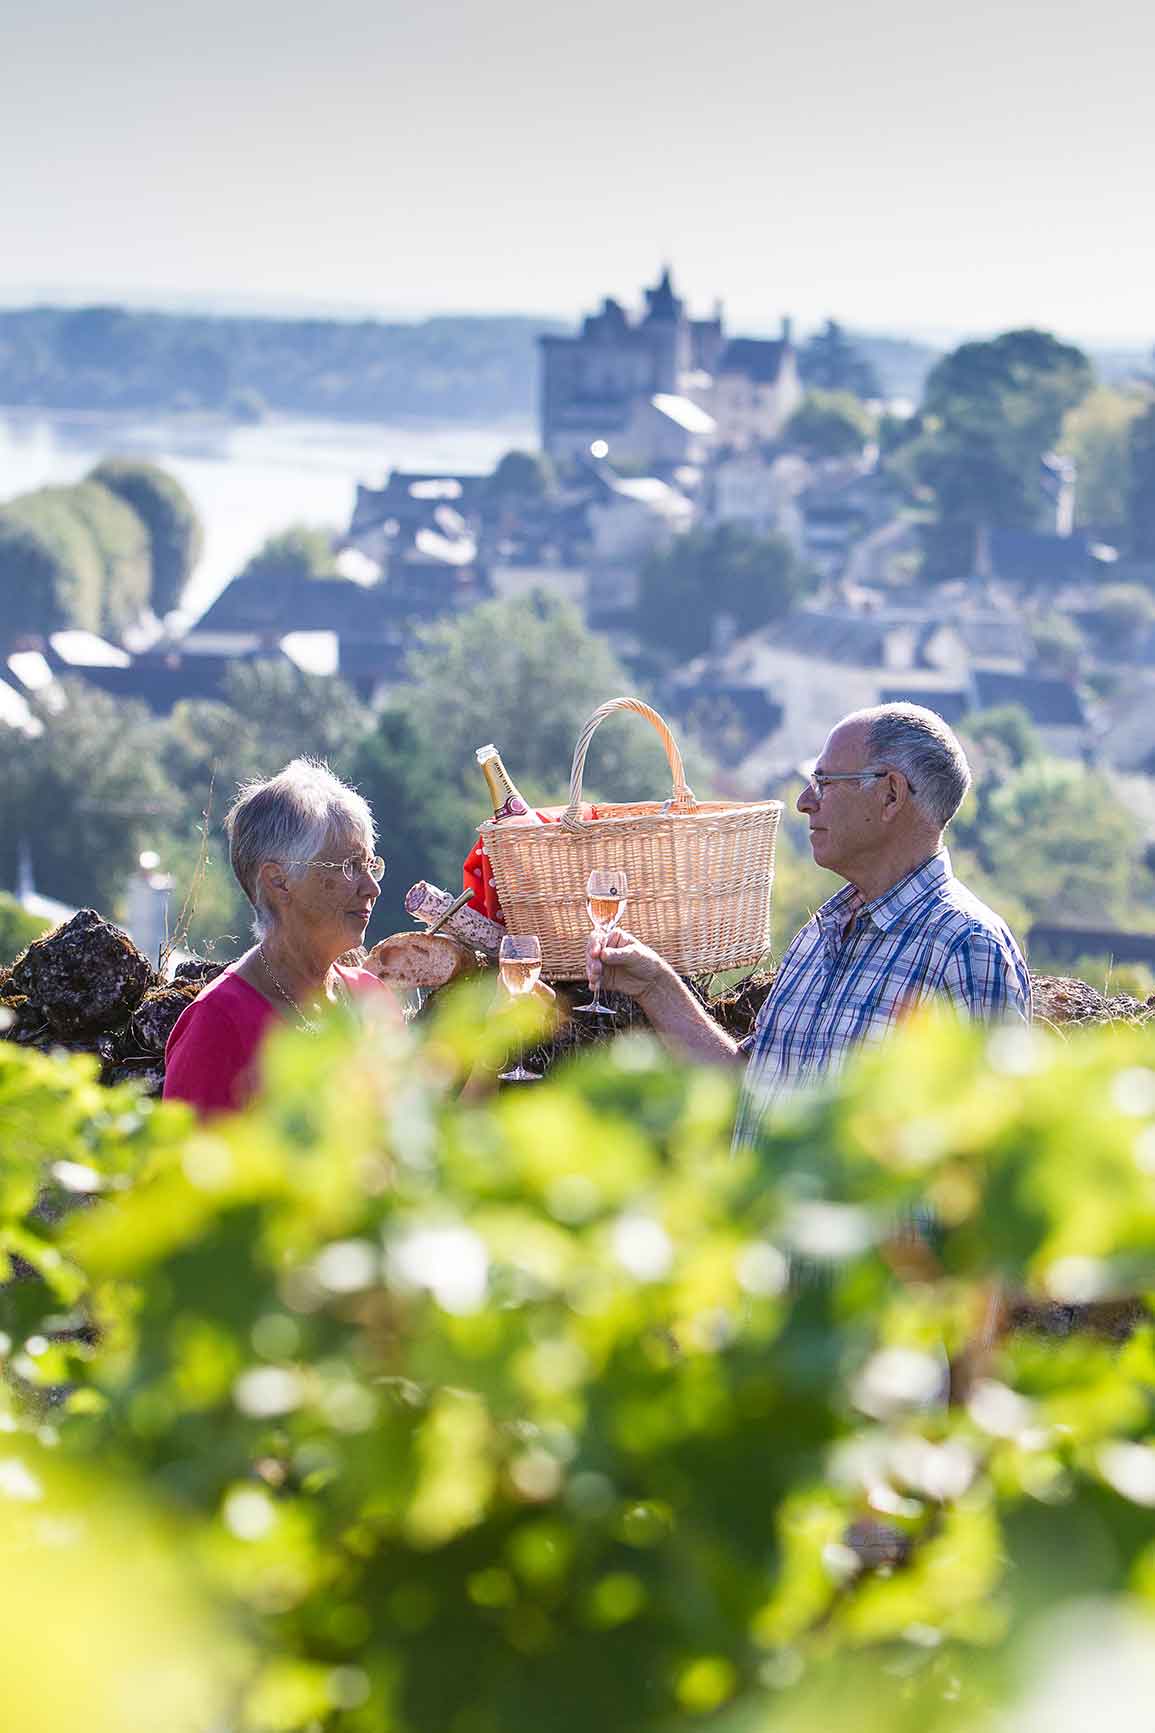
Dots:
pixel 302 846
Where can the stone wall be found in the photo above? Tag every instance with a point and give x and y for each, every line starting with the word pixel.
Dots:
pixel 85 988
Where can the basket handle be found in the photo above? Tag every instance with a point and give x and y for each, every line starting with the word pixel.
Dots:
pixel 682 795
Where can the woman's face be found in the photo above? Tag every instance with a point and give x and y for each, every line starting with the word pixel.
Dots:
pixel 326 907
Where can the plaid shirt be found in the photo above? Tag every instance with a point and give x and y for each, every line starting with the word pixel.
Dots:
pixel 856 968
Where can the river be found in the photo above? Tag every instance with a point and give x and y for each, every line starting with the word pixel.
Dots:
pixel 245 481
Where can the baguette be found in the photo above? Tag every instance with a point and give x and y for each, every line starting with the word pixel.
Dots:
pixel 425 960
pixel 427 903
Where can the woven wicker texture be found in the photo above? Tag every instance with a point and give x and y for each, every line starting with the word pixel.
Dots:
pixel 700 872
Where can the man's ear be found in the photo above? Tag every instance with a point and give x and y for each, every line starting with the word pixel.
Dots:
pixel 897 794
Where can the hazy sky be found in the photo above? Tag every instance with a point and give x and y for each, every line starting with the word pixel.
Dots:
pixel 900 165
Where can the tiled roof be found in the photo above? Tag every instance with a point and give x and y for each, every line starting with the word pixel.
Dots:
pixel 836 636
pixel 758 358
pixel 164 679
pixel 1028 557
pixel 300 605
pixel 1050 703
pixel 950 705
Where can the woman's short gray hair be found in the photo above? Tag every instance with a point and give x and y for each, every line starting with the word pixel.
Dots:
pixel 287 818
pixel 912 739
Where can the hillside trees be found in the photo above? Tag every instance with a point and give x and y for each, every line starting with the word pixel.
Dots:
pixel 174 529
pixel 830 361
pixel 1122 619
pixel 830 424
pixel 710 573
pixel 526 676
pixel 121 541
pixel 106 358
pixel 269 713
pixel 301 551
pixel 1141 486
pixel 85 795
pixel 51 572
pixel 105 779
pixel 1097 437
pixel 1060 842
pixel 990 413
pixel 95 554
pixel 427 813
pixel 521 476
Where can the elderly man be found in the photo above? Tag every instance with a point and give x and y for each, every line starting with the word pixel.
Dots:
pixel 903 930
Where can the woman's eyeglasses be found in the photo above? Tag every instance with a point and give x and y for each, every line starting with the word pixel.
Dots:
pixel 352 867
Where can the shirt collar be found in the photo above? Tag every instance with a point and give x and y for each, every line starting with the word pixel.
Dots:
pixel 891 908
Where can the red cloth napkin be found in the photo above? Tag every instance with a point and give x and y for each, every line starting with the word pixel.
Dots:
pixel 477 873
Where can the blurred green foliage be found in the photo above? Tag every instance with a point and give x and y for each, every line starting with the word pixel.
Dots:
pixel 543 1411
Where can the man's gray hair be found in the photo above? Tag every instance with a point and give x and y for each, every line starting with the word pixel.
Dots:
pixel 912 739
pixel 286 818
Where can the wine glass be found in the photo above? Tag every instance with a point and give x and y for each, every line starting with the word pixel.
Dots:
pixel 606 892
pixel 520 962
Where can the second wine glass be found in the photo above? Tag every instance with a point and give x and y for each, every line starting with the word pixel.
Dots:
pixel 606 893
pixel 520 962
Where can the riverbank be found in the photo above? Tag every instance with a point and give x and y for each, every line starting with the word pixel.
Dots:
pixel 246 481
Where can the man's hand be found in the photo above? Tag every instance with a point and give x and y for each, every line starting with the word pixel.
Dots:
pixel 624 965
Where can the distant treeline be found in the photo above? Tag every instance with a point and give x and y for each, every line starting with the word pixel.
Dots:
pixel 450 369
pixel 110 358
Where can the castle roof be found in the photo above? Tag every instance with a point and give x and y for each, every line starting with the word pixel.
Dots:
pixel 757 358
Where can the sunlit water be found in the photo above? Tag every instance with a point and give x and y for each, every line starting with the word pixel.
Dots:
pixel 245 481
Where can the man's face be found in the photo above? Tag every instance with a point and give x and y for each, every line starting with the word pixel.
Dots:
pixel 846 824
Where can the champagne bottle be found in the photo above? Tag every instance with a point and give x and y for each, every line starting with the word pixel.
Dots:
pixel 509 806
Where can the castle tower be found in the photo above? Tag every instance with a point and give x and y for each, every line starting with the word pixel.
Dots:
pixel 667 332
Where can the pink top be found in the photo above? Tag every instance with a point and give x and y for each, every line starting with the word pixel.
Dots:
pixel 210 1059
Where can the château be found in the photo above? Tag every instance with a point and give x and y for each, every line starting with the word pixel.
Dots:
pixel 643 386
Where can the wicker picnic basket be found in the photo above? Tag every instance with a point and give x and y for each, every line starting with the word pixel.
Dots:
pixel 700 871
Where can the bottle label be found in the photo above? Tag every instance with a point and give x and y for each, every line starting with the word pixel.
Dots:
pixel 512 807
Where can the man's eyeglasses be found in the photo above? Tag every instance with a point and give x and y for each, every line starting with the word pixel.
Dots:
pixel 352 867
pixel 819 780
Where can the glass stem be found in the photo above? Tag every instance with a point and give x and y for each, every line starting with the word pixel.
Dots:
pixel 604 933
